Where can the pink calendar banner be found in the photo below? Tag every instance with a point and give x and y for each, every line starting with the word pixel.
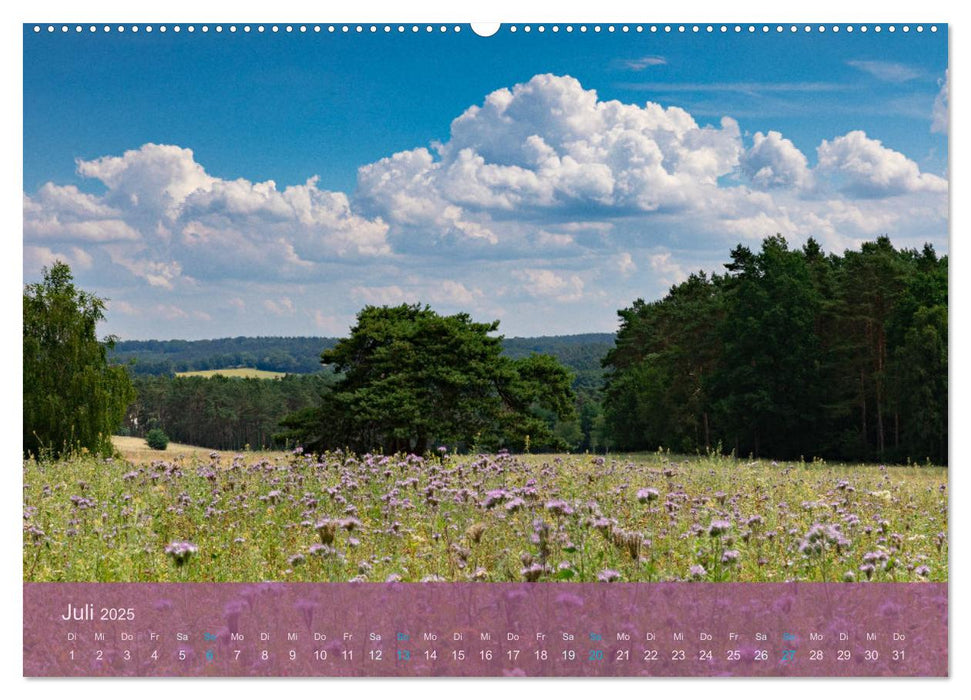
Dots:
pixel 435 629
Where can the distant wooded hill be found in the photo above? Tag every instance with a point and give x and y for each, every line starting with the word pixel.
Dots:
pixel 301 355
pixel 227 413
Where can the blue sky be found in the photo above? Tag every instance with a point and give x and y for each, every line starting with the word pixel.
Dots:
pixel 265 184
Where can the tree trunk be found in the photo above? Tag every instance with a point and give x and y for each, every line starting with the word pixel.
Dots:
pixel 880 439
pixel 863 411
pixel 878 385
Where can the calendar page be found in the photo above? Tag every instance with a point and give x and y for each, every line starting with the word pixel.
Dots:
pixel 556 349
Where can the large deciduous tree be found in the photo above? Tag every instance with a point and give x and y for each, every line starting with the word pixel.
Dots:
pixel 412 379
pixel 72 397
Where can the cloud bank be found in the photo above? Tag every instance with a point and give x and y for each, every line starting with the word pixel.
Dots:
pixel 544 200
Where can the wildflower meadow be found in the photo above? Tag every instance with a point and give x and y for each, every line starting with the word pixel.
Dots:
pixel 497 517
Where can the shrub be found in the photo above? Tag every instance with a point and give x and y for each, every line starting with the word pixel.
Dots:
pixel 157 439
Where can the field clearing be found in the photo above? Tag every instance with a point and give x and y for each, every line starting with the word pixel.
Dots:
pixel 655 517
pixel 245 372
pixel 137 451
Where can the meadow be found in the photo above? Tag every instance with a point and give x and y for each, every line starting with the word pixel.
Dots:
pixel 200 516
pixel 244 372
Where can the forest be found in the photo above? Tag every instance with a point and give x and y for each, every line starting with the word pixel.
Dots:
pixel 789 354
pixel 224 413
pixel 293 355
pixel 301 355
pixel 230 413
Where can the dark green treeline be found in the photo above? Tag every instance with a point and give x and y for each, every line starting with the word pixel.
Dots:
pixel 224 413
pixel 789 353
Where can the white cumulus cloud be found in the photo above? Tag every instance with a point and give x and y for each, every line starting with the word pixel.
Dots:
pixel 38 257
pixel 774 161
pixel 542 194
pixel 870 169
pixel 162 217
pixel 549 146
pixel 667 271
pixel 548 284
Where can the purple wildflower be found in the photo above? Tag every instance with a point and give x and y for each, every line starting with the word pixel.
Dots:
pixel 532 572
pixel 647 495
pixel 181 552
pixel 875 557
pixel 602 524
pixel 608 576
pixel 559 507
pixel 515 504
pixel 494 498
pixel 350 524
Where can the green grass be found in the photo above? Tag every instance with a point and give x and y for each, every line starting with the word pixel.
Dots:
pixel 250 515
pixel 246 372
